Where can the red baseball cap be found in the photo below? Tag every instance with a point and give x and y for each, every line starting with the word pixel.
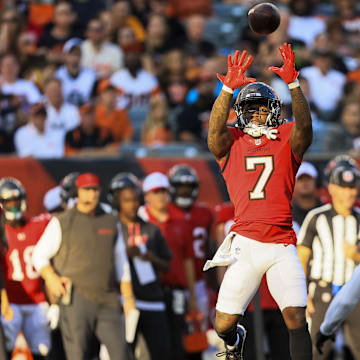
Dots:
pixel 87 180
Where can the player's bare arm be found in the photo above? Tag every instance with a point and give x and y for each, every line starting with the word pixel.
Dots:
pixel 301 134
pixel 219 137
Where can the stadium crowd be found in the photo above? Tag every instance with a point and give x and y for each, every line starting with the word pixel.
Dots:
pixel 90 76
pixel 87 77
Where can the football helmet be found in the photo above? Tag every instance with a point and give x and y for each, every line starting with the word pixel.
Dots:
pixel 183 175
pixel 120 182
pixel 68 187
pixel 258 93
pixel 12 189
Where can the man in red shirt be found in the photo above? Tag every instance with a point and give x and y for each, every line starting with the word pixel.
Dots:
pixel 181 275
pixel 259 159
pixel 22 283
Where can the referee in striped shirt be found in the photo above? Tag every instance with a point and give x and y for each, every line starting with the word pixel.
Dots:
pixel 328 250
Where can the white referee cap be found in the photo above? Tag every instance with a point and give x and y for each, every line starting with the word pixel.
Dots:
pixel 154 181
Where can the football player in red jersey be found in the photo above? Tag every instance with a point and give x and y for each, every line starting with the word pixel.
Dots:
pixel 22 283
pixel 184 190
pixel 259 159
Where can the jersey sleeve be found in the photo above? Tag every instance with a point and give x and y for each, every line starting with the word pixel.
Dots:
pixel 162 250
pixel 307 231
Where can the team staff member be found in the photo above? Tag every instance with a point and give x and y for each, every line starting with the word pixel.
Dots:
pixel 86 254
pixel 181 275
pixel 328 238
pixel 22 283
pixel 259 159
pixel 148 254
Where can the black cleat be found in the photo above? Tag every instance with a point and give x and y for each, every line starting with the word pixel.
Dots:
pixel 238 352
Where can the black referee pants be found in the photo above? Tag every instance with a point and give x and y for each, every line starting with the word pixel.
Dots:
pixel 321 300
pixel 82 319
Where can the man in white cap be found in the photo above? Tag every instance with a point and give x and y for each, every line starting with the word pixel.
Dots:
pixel 181 275
pixel 304 197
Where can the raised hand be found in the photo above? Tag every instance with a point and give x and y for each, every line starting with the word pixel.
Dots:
pixel 287 72
pixel 235 76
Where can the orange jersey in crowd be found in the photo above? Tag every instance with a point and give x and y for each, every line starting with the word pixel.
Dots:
pixel 200 219
pixel 260 177
pixel 22 283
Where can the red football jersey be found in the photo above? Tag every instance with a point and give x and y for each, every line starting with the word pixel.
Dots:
pixel 260 177
pixel 200 219
pixel 22 282
pixel 177 235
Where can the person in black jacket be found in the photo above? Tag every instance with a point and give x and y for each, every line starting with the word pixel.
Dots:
pixel 148 254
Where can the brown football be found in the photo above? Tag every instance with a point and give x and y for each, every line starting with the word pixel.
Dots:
pixel 264 18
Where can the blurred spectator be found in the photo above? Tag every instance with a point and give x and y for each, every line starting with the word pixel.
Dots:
pixel 192 122
pixel 126 38
pixel 183 9
pixel 99 54
pixel 33 139
pixel 31 61
pixel 108 116
pixel 77 81
pixel 195 45
pixel 86 10
pixel 157 41
pixel 41 14
pixel 304 197
pixel 326 84
pixel 11 25
pixel 303 25
pixel 122 17
pixel 106 17
pixel 156 130
pixel 346 135
pixel 136 84
pixel 87 136
pixel 60 31
pixel 61 116
pixel 176 91
pixel 11 84
pixel 172 66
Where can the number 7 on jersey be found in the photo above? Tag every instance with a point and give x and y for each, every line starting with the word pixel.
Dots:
pixel 258 192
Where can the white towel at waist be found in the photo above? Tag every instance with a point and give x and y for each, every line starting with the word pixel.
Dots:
pixel 223 255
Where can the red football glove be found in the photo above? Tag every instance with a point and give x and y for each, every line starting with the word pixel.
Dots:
pixel 235 76
pixel 287 72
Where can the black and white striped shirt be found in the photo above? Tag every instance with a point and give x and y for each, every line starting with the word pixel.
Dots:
pixel 324 232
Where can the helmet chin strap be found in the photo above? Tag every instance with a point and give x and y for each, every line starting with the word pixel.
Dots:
pixel 260 130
